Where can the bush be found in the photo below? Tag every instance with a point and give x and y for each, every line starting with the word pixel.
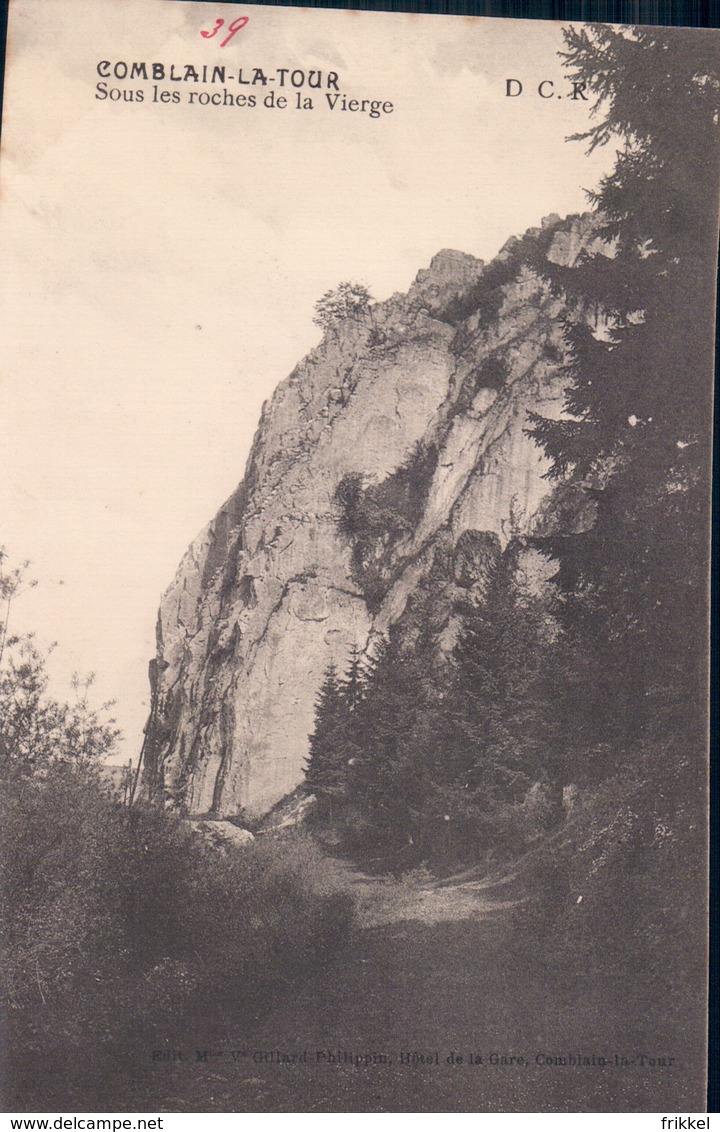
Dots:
pixel 118 922
pixel 347 300
pixel 613 897
pixel 374 517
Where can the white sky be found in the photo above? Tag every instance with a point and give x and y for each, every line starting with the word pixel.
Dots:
pixel 160 265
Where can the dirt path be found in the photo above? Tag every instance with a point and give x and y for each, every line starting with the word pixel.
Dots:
pixel 431 1006
pixel 386 900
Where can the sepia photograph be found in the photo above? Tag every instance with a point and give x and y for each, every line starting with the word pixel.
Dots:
pixel 357 389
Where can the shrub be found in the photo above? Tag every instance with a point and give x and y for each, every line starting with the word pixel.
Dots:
pixel 347 300
pixel 118 922
pixel 373 517
pixel 612 898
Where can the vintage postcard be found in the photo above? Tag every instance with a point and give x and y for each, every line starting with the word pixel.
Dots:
pixel 357 376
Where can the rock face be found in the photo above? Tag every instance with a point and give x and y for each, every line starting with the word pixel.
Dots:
pixel 387 465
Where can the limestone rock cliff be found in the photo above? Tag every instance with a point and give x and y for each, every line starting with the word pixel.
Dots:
pixel 389 461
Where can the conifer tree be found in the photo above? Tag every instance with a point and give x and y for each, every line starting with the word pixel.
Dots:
pixel 389 779
pixel 497 713
pixel 636 437
pixel 355 680
pixel 326 772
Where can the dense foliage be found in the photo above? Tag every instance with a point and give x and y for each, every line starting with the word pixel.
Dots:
pixel 432 755
pixel 119 921
pixel 636 438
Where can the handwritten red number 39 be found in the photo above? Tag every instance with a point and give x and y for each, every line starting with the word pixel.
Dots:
pixel 232 28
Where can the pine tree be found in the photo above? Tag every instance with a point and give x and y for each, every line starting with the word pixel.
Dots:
pixel 326 772
pixel 355 680
pixel 496 716
pixel 636 438
pixel 383 715
pixel 389 781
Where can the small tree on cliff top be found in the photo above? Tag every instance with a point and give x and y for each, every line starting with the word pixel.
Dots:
pixel 347 300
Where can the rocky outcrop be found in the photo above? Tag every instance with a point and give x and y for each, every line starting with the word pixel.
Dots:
pixel 222 835
pixel 394 455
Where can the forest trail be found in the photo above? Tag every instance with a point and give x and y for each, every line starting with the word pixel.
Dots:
pixel 384 900
pixel 434 1003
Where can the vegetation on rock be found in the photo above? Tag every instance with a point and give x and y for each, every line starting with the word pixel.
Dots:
pixel 374 517
pixel 347 300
